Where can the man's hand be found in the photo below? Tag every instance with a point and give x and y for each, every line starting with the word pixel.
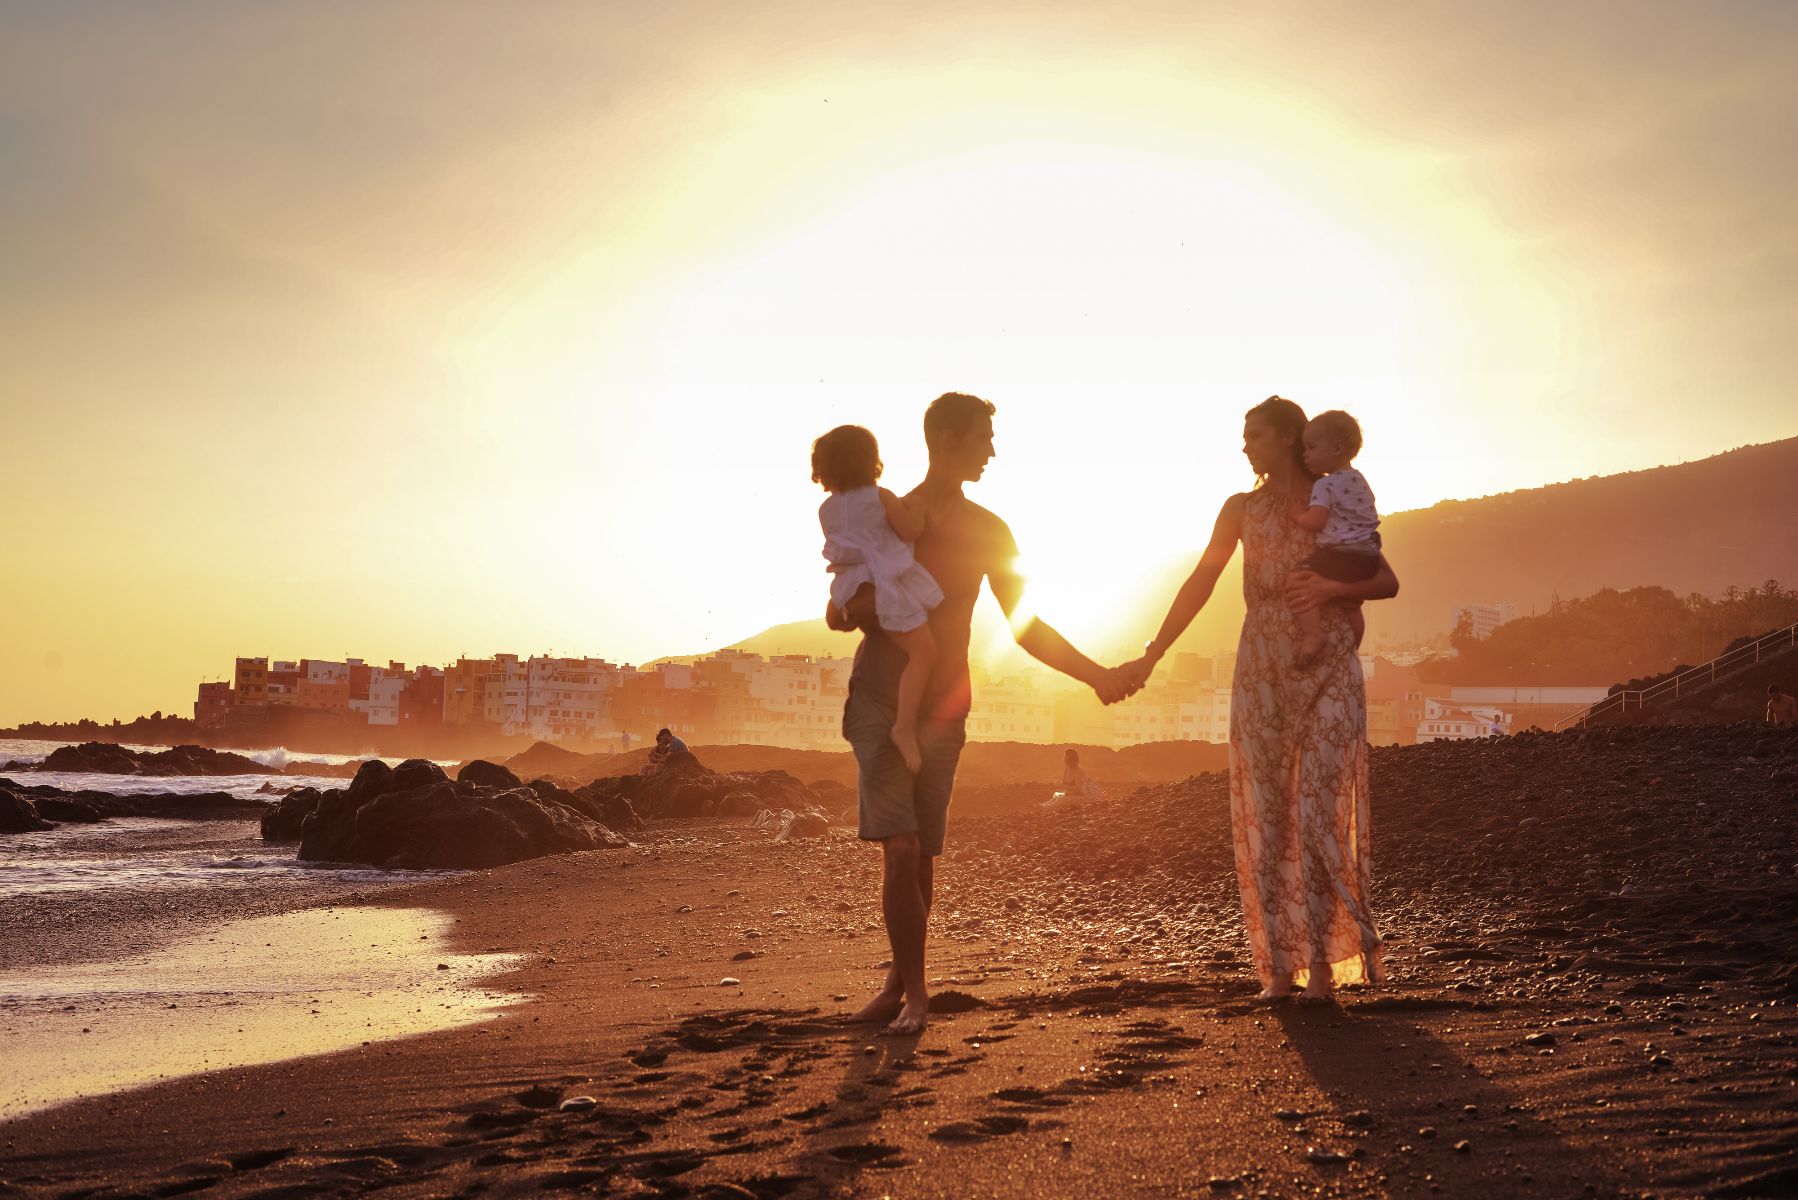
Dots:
pixel 1113 684
pixel 857 614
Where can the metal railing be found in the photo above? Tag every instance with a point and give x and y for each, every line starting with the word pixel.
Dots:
pixel 1692 680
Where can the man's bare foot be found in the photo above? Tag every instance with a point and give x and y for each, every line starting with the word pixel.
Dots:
pixel 910 1020
pixel 906 738
pixel 883 1007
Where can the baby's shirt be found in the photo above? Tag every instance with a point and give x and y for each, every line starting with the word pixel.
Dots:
pixel 1353 517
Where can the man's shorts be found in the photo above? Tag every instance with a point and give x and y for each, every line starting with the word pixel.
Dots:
pixel 893 801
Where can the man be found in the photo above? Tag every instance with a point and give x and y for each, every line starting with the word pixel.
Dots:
pixel 1782 709
pixel 666 745
pixel 962 545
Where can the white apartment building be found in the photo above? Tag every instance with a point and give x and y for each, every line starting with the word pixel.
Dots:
pixel 1174 712
pixel 1013 709
pixel 568 698
pixel 1446 722
pixel 383 704
pixel 1485 617
pixel 793 700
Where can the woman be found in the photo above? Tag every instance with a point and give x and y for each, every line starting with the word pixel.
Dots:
pixel 1298 740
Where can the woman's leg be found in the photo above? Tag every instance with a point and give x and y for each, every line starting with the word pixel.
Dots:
pixel 920 657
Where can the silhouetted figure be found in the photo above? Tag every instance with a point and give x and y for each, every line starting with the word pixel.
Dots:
pixel 1299 811
pixel 1344 517
pixel 1782 708
pixel 666 745
pixel 1076 784
pixel 905 811
pixel 868 536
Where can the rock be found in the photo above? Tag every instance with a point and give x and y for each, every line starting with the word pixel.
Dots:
pixel 1539 1039
pixel 482 773
pixel 104 758
pixel 740 803
pixel 414 817
pixel 730 981
pixel 282 823
pixel 577 1104
pixel 417 773
pixel 62 808
pixel 798 826
pixel 1319 1154
pixel 19 815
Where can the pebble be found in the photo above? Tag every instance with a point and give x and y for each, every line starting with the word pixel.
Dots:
pixel 1539 1039
pixel 577 1104
pixel 1319 1154
pixel 730 981
pixel 1463 1146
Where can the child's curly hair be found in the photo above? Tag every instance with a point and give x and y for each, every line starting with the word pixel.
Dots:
pixel 847 457
pixel 1340 426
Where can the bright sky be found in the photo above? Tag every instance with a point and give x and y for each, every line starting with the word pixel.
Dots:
pixel 416 329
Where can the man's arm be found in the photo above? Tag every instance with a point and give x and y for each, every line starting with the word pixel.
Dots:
pixel 1039 640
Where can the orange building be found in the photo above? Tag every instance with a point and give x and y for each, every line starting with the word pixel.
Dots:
pixel 250 681
pixel 212 703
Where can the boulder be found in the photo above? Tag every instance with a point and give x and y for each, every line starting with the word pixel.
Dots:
pixel 740 803
pixel 417 773
pixel 19 815
pixel 104 758
pixel 62 808
pixel 414 817
pixel 482 773
pixel 282 822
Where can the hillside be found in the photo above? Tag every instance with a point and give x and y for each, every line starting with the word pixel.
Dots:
pixel 1695 527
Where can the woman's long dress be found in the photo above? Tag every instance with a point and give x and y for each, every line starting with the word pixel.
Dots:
pixel 1298 773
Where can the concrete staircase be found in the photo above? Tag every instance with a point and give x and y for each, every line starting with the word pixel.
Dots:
pixel 1774 653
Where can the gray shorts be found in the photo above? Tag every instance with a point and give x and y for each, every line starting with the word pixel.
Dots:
pixel 892 800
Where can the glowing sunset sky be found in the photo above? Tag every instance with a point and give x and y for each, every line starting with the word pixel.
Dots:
pixel 416 329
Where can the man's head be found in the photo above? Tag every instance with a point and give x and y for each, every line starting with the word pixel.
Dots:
pixel 958 431
pixel 663 736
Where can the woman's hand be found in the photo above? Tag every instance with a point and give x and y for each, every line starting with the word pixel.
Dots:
pixel 1306 590
pixel 1136 672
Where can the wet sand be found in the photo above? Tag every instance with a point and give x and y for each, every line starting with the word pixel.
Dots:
pixel 1591 995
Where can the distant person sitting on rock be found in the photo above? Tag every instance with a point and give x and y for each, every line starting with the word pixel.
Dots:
pixel 1343 516
pixel 868 537
pixel 1076 784
pixel 667 745
pixel 1782 707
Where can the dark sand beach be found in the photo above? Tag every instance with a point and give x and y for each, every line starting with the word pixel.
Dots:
pixel 1591 943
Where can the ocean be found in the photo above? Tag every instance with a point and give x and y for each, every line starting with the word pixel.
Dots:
pixel 106 928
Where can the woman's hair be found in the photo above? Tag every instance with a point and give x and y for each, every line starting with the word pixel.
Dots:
pixel 847 457
pixel 1073 755
pixel 1284 417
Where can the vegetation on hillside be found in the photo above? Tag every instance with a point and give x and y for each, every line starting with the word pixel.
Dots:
pixel 1612 636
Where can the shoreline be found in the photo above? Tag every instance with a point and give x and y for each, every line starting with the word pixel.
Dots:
pixel 1576 1007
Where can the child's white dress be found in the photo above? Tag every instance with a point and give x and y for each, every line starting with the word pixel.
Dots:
pixel 861 546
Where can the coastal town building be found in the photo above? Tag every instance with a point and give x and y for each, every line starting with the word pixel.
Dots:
pixel 1446 722
pixel 212 704
pixel 1482 618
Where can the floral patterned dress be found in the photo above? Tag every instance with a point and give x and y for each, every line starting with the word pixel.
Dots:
pixel 1298 773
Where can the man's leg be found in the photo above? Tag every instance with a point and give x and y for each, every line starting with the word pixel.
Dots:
pixel 905 896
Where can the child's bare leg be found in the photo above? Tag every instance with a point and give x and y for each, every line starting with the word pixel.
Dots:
pixel 1311 633
pixel 920 656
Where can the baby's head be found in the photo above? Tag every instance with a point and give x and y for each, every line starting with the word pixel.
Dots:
pixel 1332 439
pixel 846 458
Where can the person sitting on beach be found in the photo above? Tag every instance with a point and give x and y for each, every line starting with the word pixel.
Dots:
pixel 1076 784
pixel 868 536
pixel 1343 516
pixel 666 746
pixel 1782 708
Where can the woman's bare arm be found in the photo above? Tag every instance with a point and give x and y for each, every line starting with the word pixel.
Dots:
pixel 1306 590
pixel 1199 585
